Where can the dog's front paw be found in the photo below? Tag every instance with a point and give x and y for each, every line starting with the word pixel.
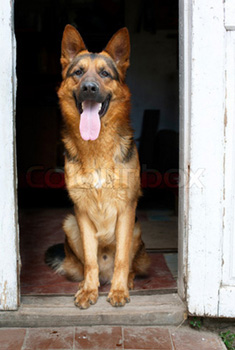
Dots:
pixel 118 297
pixel 84 298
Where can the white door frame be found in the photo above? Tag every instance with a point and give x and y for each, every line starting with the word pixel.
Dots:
pixel 227 289
pixel 207 146
pixel 9 242
pixel 202 157
pixel 201 153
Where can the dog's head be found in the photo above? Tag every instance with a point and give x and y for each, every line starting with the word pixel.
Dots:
pixel 93 81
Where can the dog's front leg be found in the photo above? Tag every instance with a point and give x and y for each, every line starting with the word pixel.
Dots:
pixel 119 292
pixel 88 293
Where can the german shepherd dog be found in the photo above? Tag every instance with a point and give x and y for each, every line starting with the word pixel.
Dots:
pixel 103 242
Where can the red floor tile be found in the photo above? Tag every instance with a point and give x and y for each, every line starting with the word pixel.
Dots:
pixel 195 340
pixel 147 338
pixel 42 228
pixel 12 339
pixel 49 338
pixel 98 338
pixel 108 338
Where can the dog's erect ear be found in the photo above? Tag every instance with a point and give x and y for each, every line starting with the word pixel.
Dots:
pixel 119 49
pixel 72 44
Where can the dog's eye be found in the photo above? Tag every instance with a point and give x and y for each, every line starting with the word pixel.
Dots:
pixel 104 74
pixel 78 72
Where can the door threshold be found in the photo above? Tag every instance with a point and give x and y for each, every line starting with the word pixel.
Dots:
pixel 59 311
pixel 104 293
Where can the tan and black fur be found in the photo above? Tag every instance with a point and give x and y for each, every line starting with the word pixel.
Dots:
pixel 103 241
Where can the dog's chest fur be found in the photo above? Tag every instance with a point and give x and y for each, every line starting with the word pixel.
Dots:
pixel 102 192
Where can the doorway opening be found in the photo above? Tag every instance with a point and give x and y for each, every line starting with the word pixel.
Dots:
pixel 153 81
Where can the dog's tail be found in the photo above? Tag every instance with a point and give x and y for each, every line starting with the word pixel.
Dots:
pixel 54 257
pixel 68 266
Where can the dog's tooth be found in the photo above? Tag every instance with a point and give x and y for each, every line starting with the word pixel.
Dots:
pixel 100 107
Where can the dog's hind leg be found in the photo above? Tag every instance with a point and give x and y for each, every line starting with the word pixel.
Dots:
pixel 139 258
pixel 67 259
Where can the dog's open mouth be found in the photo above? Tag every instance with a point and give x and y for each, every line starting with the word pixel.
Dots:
pixel 90 114
pixel 103 107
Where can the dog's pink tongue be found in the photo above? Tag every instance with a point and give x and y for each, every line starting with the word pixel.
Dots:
pixel 90 120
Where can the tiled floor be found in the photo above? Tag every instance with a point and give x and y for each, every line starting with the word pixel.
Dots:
pixel 41 228
pixel 108 338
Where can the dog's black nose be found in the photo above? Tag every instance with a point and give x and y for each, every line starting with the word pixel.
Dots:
pixel 89 90
pixel 90 87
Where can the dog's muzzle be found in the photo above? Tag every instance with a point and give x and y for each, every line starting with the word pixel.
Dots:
pixel 90 91
pixel 92 105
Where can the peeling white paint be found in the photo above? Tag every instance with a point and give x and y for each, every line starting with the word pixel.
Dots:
pixel 8 226
pixel 207 232
pixel 229 15
pixel 203 140
pixel 185 95
pixel 226 306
